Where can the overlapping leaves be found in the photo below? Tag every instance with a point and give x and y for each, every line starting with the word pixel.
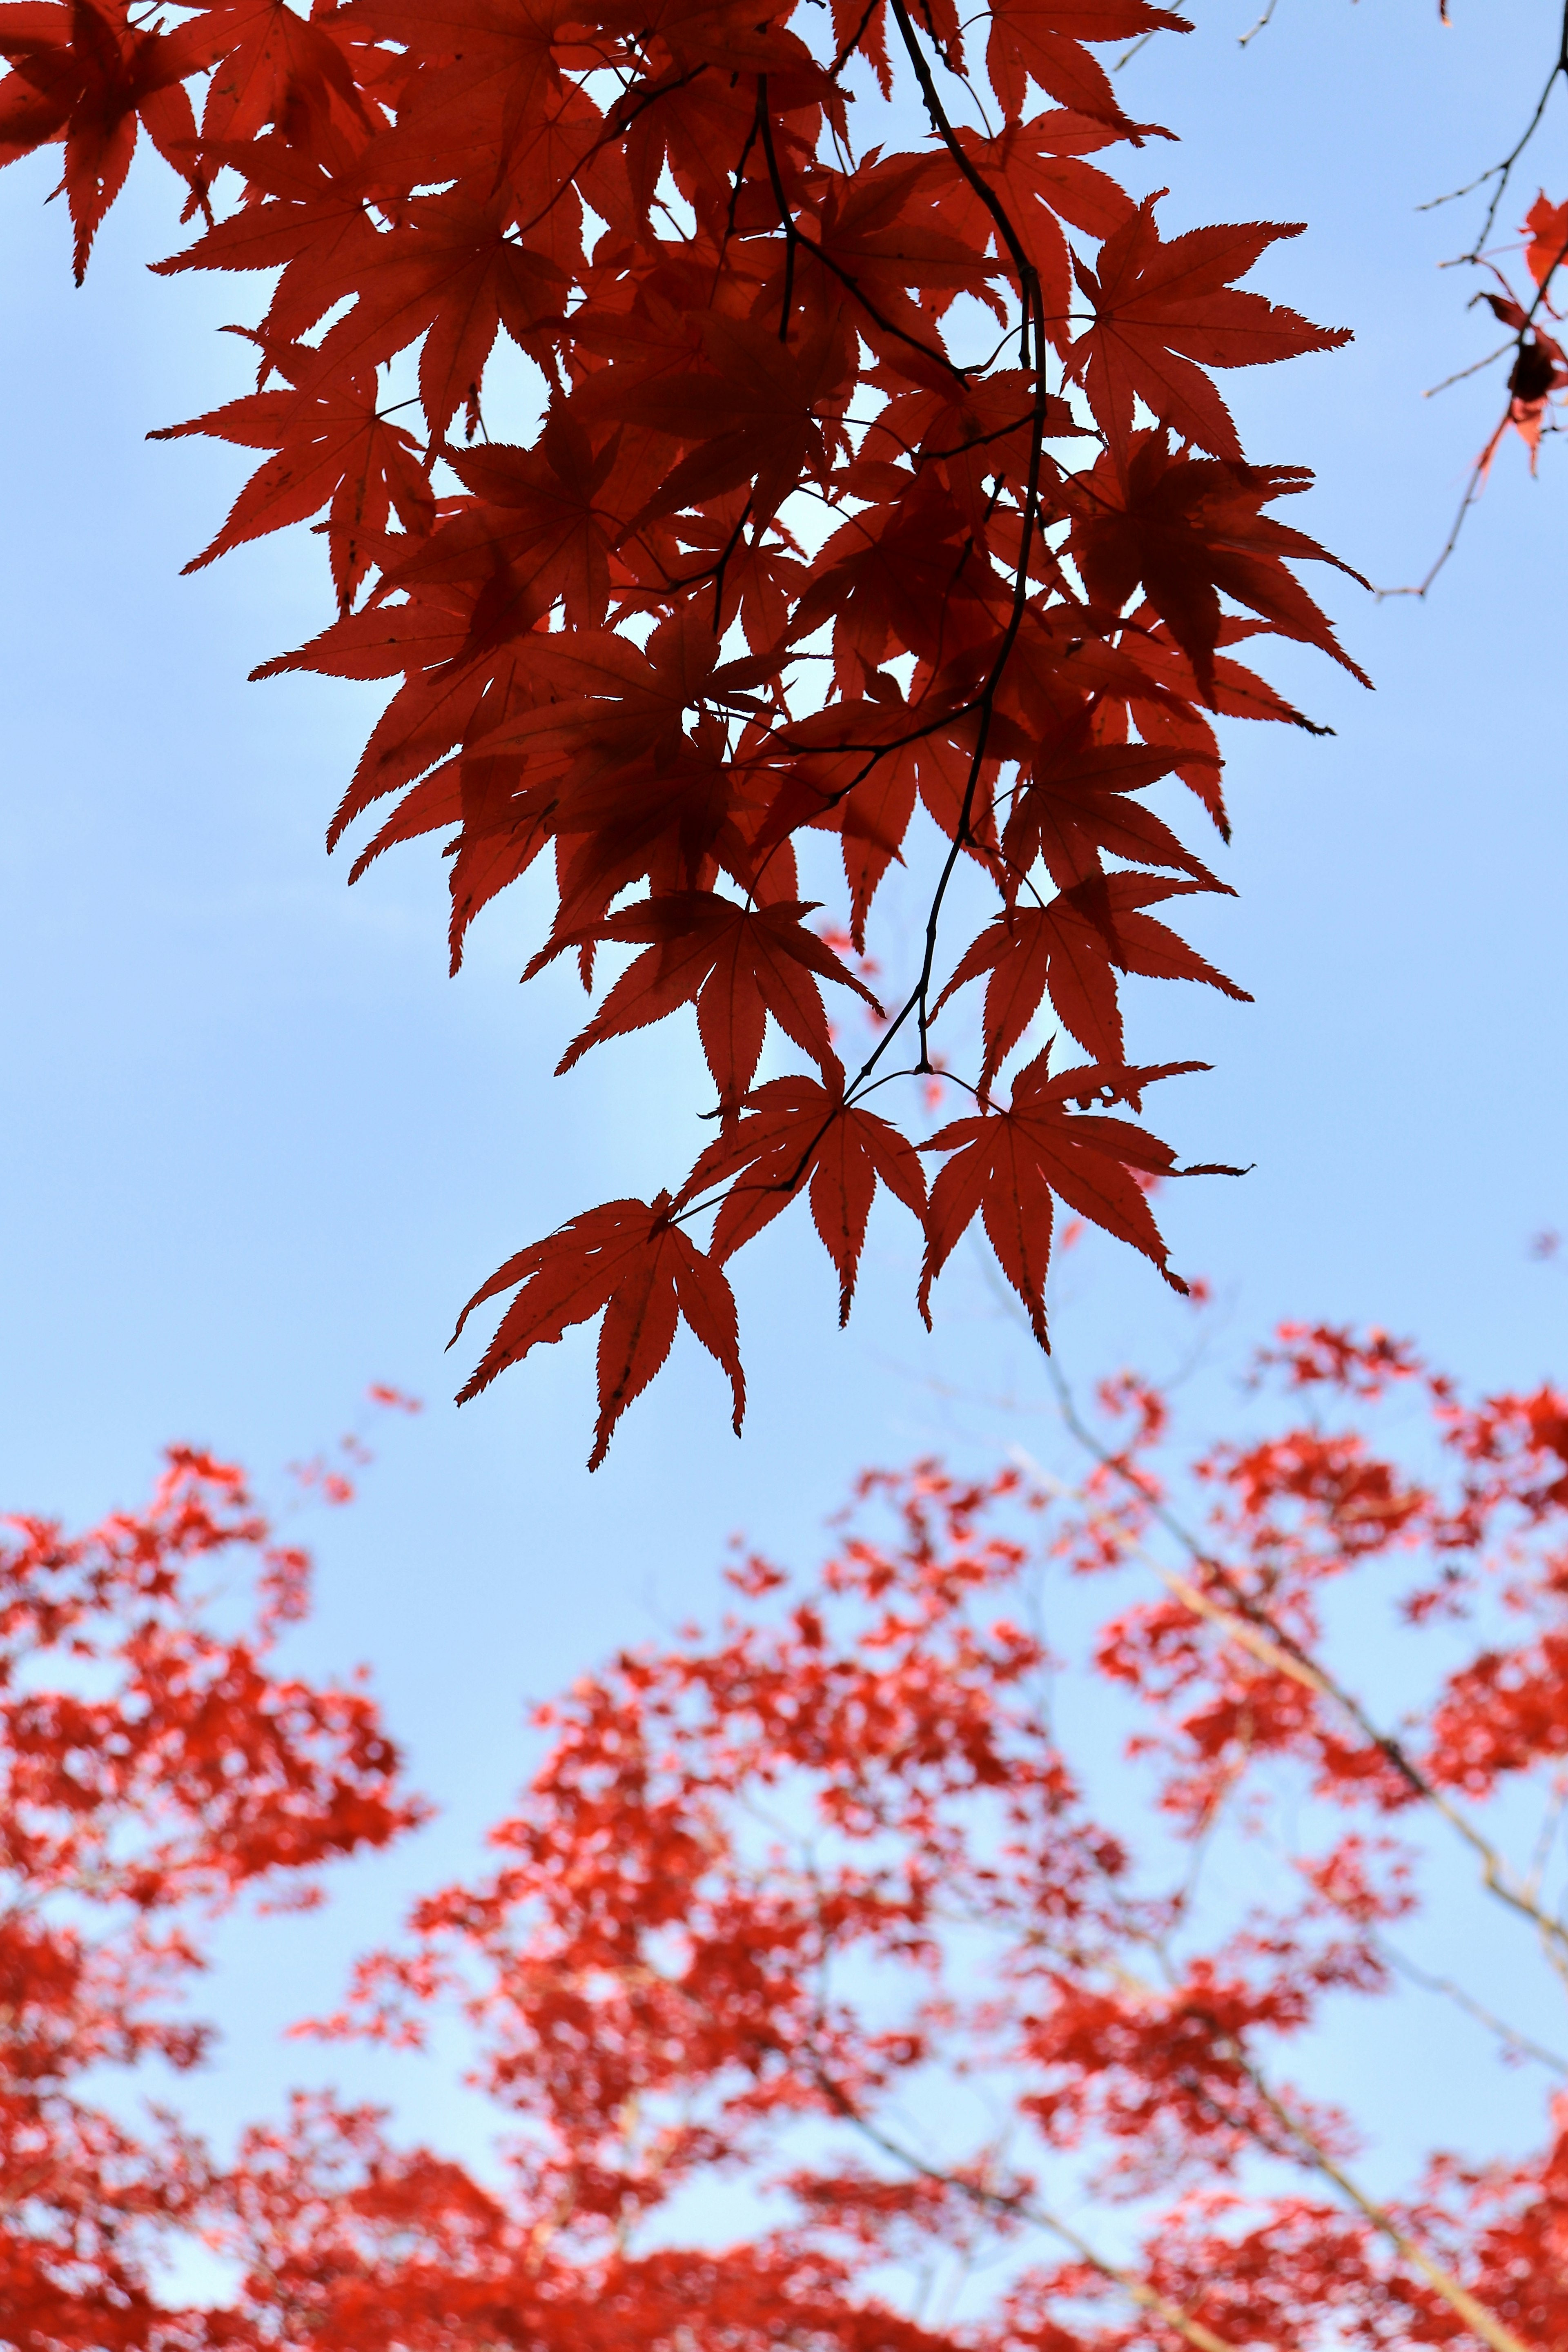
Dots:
pixel 840 512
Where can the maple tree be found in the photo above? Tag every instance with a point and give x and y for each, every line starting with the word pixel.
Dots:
pixel 833 1983
pixel 870 458
pixel 154 1768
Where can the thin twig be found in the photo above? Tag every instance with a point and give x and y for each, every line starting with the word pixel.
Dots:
pixel 1474 369
pixel 1522 2044
pixel 1020 2208
pixel 1265 18
pixel 1472 492
pixel 1473 2314
pixel 1503 173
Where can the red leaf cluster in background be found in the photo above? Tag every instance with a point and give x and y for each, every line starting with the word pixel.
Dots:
pixel 854 474
pixel 153 1769
pixel 834 1983
pixel 1538 367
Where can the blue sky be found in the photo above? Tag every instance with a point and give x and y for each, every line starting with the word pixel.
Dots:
pixel 260 1147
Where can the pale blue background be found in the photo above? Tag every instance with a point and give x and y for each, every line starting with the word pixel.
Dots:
pixel 259 1148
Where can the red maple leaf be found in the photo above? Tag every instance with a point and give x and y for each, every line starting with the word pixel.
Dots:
pixel 1007 1164
pixel 271 63
pixel 1073 946
pixel 452 273
pixel 1546 225
pixel 336 448
pixel 630 1261
pixel 486 72
pixel 1036 168
pixel 1073 805
pixel 1159 309
pixel 794 1129
pixel 1539 368
pixel 83 74
pixel 307 217
pixel 1188 529
pixel 1041 40
pixel 755 414
pixel 541 524
pixel 736 964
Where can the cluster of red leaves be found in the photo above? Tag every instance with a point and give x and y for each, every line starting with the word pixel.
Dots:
pixel 860 477
pixel 152 1770
pixel 1538 367
pixel 816 1914
pixel 821 1900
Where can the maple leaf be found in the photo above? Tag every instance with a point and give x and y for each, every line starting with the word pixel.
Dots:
pixel 612 700
pixel 897 581
pixel 82 73
pixel 1546 225
pixel 969 435
pixel 1041 40
pixel 306 218
pixel 487 71
pixel 1005 1165
pixel 270 59
pixel 541 523
pixel 630 1262
pixel 760 408
pixel 1170 690
pixel 863 764
pixel 879 237
pixel 1036 168
pixel 1188 529
pixel 874 819
pixel 1539 368
pixel 1158 309
pixel 736 964
pixel 793 1130
pixel 1073 805
pixel 1070 947
pixel 732 34
pixel 451 267
pixel 335 449
pixel 856 26
pixel 596 730
pixel 458 676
